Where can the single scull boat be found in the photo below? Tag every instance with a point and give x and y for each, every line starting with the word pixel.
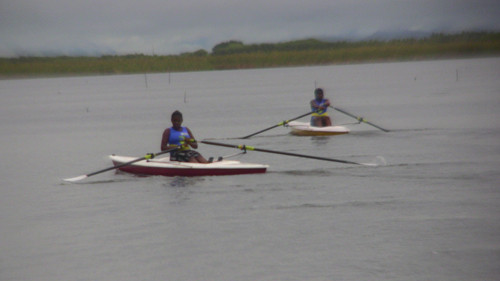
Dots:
pixel 305 129
pixel 165 167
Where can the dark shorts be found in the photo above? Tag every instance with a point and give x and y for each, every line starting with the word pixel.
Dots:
pixel 183 155
pixel 322 118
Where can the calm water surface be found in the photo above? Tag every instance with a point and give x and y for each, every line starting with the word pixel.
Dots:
pixel 430 213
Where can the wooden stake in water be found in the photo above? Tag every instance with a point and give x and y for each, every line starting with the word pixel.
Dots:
pixel 146 79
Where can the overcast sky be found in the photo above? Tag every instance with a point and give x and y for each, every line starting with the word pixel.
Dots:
pixel 95 27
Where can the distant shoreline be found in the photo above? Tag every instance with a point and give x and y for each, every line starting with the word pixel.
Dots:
pixel 62 75
pixel 236 55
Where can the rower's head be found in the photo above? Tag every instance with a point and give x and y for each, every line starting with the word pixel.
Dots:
pixel 318 93
pixel 176 119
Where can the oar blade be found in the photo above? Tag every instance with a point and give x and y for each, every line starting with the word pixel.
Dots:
pixel 76 179
pixel 370 164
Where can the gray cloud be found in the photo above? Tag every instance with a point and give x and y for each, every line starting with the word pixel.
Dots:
pixel 94 27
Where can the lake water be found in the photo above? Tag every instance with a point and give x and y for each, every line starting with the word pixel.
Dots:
pixel 431 212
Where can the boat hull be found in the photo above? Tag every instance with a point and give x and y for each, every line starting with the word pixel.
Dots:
pixel 305 129
pixel 165 167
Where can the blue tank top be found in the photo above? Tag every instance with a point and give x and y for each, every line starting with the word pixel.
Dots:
pixel 177 137
pixel 321 112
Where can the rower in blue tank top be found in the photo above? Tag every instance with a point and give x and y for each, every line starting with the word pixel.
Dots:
pixel 180 137
pixel 319 106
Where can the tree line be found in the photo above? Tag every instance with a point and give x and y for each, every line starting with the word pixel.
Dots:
pixel 235 54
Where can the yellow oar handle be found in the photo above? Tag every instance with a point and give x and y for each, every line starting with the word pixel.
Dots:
pixel 184 145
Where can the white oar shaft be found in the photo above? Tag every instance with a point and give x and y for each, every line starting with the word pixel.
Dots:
pixel 246 147
pixel 277 125
pixel 360 119
pixel 148 156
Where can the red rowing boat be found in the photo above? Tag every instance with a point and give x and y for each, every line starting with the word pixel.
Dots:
pixel 165 167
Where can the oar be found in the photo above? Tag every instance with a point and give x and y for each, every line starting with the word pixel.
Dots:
pixel 277 125
pixel 247 147
pixel 148 156
pixel 360 119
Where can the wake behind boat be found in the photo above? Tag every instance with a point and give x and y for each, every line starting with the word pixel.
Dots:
pixel 305 129
pixel 165 167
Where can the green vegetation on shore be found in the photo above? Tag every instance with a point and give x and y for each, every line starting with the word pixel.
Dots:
pixel 236 55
